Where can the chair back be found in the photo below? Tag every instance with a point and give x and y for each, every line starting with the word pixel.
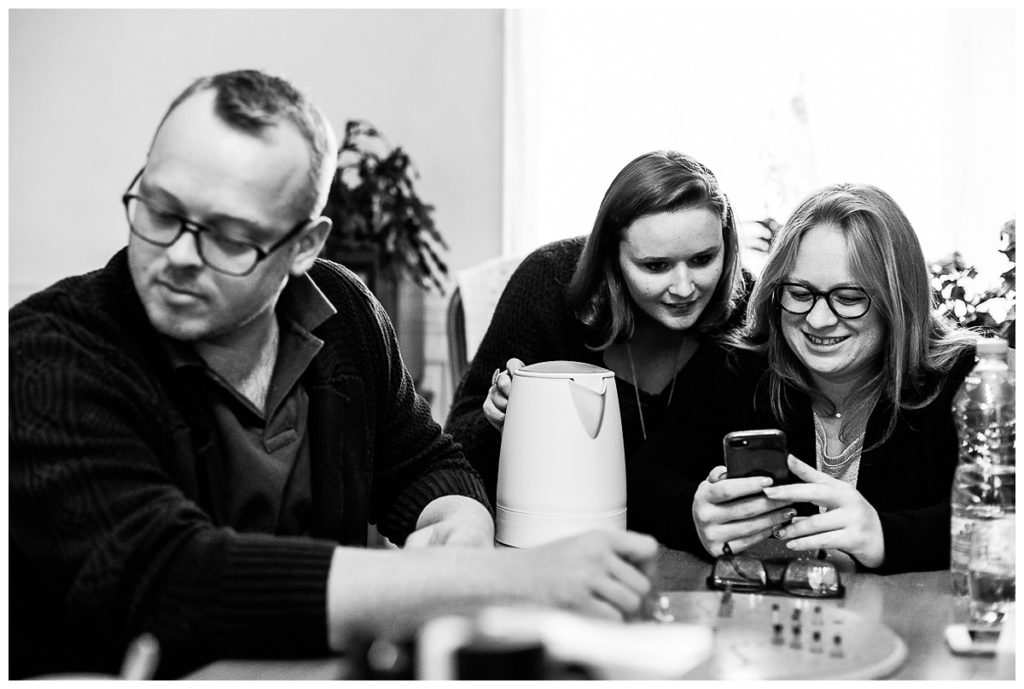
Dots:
pixel 476 294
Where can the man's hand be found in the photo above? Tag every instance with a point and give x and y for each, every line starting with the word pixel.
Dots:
pixel 393 593
pixel 453 520
pixel 600 573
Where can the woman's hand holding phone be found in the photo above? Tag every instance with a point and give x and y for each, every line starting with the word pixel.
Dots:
pixel 849 522
pixel 736 511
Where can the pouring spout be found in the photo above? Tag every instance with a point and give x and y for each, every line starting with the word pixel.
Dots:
pixel 588 397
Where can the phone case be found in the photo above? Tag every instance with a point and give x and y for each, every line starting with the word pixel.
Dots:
pixel 757 453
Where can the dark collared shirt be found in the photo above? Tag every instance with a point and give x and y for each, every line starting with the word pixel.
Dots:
pixel 267 453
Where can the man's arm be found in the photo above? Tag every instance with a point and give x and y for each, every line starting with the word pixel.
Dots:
pixel 414 463
pixel 453 520
pixel 391 593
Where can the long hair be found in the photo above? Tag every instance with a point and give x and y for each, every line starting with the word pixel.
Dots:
pixel 656 182
pixel 886 259
pixel 252 101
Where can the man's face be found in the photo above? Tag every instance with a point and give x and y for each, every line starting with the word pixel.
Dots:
pixel 206 171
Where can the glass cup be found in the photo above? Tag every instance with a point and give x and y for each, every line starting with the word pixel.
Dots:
pixel 991 573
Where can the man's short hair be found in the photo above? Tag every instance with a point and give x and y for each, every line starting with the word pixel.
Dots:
pixel 251 101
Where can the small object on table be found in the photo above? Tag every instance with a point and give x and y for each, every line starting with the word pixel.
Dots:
pixel 796 643
pixel 816 642
pixel 725 606
pixel 661 611
pixel 777 637
pixel 837 647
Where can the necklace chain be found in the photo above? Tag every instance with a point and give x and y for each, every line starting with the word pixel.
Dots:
pixel 636 384
pixel 835 461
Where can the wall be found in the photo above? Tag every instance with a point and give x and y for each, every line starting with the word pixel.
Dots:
pixel 88 87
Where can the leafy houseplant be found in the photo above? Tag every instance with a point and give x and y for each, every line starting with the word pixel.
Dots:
pixel 377 212
pixel 962 295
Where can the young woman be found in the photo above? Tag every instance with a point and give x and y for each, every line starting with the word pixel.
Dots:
pixel 648 294
pixel 860 372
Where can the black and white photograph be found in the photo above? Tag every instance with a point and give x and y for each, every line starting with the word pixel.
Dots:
pixel 522 341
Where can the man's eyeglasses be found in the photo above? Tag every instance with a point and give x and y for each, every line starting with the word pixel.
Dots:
pixel 845 302
pixel 811 577
pixel 220 249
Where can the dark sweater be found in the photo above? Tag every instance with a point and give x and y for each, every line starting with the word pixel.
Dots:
pixel 114 473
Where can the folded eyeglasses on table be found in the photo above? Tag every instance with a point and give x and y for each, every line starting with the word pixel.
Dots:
pixel 810 577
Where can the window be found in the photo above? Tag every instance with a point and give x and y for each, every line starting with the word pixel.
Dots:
pixel 778 102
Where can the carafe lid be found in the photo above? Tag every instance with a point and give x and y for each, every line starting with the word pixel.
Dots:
pixel 562 369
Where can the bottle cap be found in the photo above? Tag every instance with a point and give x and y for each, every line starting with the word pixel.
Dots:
pixel 991 345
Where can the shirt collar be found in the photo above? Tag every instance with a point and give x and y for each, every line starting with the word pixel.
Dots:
pixel 301 300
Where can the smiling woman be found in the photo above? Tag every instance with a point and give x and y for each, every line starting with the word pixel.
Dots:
pixel 838 351
pixel 859 373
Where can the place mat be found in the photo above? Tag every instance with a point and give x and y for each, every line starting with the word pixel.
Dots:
pixel 747 647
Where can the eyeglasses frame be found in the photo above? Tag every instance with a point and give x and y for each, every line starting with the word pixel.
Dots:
pixel 196 229
pixel 817 294
pixel 771 586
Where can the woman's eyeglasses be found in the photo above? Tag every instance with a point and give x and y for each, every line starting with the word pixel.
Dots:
pixel 848 303
pixel 810 577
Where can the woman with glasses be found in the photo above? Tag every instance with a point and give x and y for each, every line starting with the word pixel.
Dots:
pixel 859 371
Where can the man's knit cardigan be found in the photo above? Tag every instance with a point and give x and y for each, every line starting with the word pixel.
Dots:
pixel 115 469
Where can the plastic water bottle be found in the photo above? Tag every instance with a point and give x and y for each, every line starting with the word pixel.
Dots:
pixel 985 479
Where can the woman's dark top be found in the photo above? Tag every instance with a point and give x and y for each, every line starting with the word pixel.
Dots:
pixel 907 478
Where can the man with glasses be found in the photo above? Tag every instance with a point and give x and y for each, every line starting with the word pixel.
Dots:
pixel 197 426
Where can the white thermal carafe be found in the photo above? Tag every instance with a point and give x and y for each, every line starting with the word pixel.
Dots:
pixel 562 466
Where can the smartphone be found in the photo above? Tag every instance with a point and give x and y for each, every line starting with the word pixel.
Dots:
pixel 757 453
pixel 963 640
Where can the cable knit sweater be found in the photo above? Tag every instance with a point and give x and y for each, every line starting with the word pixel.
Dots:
pixel 114 479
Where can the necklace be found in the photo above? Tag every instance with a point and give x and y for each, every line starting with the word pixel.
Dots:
pixel 832 415
pixel 835 461
pixel 636 385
